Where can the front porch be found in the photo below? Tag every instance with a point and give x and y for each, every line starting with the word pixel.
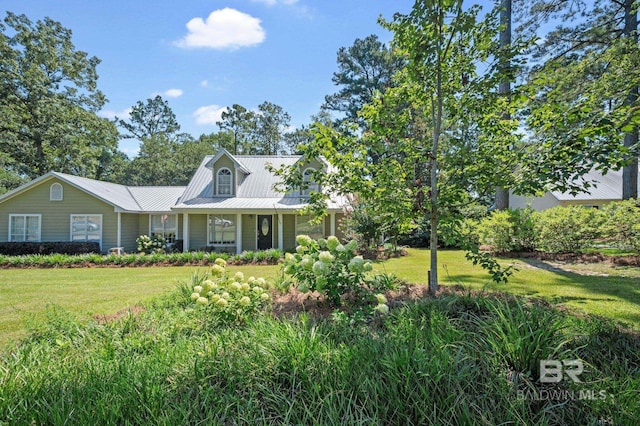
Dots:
pixel 237 232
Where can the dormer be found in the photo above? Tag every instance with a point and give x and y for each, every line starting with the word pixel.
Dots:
pixel 227 173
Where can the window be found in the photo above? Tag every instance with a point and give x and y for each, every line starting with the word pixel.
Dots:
pixel 224 182
pixel 164 225
pixel 222 229
pixel 55 192
pixel 24 227
pixel 304 226
pixel 86 228
pixel 307 178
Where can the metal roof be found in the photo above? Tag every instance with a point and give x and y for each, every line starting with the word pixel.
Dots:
pixel 156 198
pixel 603 187
pixel 117 195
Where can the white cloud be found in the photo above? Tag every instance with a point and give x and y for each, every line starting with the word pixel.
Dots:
pixel 224 29
pixel 274 2
pixel 210 114
pixel 204 83
pixel 110 114
pixel 173 93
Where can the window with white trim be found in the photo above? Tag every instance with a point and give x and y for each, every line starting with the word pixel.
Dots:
pixel 222 229
pixel 306 226
pixel 224 182
pixel 86 228
pixel 55 192
pixel 311 185
pixel 24 227
pixel 164 225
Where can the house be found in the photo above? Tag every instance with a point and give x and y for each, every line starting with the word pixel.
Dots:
pixel 604 189
pixel 230 204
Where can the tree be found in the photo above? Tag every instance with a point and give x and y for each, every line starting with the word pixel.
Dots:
pixel 148 120
pixel 272 123
pixel 49 102
pixel 241 122
pixel 365 68
pixel 585 92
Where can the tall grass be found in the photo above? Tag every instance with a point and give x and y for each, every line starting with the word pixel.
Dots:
pixel 447 361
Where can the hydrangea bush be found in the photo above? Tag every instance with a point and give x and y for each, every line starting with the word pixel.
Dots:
pixel 148 245
pixel 231 298
pixel 333 269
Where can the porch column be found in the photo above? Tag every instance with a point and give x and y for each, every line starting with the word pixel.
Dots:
pixel 332 223
pixel 238 233
pixel 185 232
pixel 119 236
pixel 280 232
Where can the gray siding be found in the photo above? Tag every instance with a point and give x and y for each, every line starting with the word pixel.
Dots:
pixel 197 231
pixel 289 231
pixel 56 215
pixel 249 236
pixel 130 231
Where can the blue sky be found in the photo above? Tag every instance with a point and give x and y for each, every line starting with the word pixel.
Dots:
pixel 202 56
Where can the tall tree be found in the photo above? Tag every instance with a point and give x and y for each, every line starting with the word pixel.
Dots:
pixel 364 68
pixel 150 119
pixel 272 122
pixel 241 122
pixel 49 102
pixel 585 88
pixel 502 194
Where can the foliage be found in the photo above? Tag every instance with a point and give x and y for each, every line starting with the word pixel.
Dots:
pixel 568 229
pixel 148 120
pixel 330 268
pixel 49 103
pixel 499 274
pixel 45 248
pixel 228 300
pixel 509 230
pixel 622 223
pixel 154 244
pixel 87 372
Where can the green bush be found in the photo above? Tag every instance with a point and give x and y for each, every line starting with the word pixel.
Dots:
pixel 332 269
pixel 568 229
pixel 509 230
pixel 229 300
pixel 147 244
pixel 622 224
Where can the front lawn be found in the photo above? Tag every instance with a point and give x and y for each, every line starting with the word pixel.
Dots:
pixel 25 293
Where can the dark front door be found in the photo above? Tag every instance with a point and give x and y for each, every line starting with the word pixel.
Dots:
pixel 265 232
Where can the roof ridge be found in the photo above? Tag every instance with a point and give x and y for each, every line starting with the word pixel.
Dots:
pixel 134 198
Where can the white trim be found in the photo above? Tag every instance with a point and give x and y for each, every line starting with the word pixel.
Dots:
pixel 238 233
pixel 25 215
pixel 221 245
pixel 119 237
pixel 185 228
pixel 86 215
pixel 231 191
pixel 56 184
pixel 280 231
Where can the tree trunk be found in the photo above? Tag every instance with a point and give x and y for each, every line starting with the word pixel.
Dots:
pixel 630 171
pixel 502 194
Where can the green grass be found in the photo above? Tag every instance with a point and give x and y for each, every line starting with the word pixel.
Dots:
pixel 454 360
pixel 87 292
pixel 25 293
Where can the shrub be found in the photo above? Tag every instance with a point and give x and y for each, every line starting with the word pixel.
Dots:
pixel 568 229
pixel 147 244
pixel 230 300
pixel 62 247
pixel 623 224
pixel 331 268
pixel 509 230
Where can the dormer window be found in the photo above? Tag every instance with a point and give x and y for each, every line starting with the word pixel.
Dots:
pixel 55 192
pixel 311 185
pixel 224 182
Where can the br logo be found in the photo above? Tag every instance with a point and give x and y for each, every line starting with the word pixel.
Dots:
pixel 553 371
